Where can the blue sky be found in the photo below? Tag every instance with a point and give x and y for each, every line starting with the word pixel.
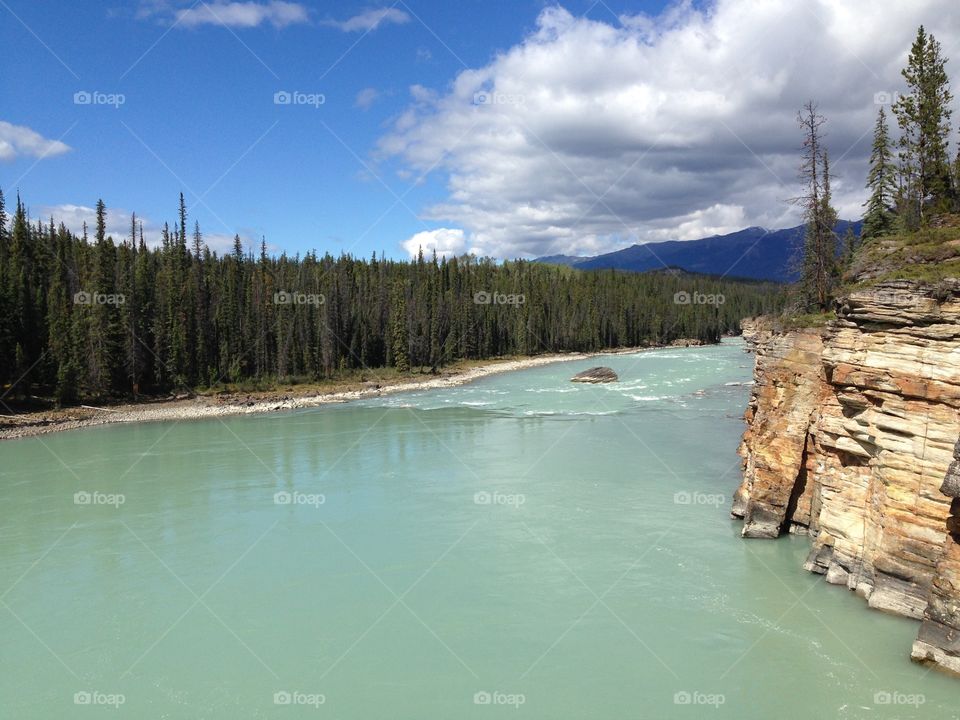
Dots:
pixel 198 112
pixel 597 124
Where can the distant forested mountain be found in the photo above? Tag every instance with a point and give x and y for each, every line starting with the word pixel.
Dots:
pixel 753 253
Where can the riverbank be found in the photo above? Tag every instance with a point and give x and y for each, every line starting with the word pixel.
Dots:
pixel 200 406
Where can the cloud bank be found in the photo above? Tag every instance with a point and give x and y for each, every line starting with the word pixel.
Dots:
pixel 590 135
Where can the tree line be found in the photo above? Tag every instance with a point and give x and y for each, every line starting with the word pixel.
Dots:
pixel 911 178
pixel 84 317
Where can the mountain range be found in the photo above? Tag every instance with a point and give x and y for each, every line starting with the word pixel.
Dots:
pixel 755 253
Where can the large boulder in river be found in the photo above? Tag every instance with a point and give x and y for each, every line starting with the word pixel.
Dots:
pixel 595 375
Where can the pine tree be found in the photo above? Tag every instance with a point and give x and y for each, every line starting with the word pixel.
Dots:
pixel 850 244
pixel 923 114
pixel 6 300
pixel 400 340
pixel 956 180
pixel 197 241
pixel 183 220
pixel 818 265
pixel 60 321
pixel 105 327
pixel 828 221
pixel 881 181
pixel 4 235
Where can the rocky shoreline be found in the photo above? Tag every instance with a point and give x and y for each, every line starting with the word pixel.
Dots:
pixel 852 430
pixel 209 406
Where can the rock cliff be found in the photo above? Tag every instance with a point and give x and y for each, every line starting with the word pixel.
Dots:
pixel 852 428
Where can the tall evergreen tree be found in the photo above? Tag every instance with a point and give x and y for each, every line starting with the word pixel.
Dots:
pixel 923 114
pixel 4 234
pixel 881 181
pixel 400 338
pixel 7 341
pixel 105 322
pixel 818 264
pixel 850 244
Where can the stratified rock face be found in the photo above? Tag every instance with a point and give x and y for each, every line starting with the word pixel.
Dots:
pixel 938 642
pixel 789 390
pixel 756 332
pixel 851 432
pixel 595 375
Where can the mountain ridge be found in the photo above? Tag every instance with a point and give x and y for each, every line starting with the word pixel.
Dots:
pixel 754 253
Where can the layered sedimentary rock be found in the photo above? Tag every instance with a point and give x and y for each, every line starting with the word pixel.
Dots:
pixel 939 640
pixel 852 429
pixel 788 391
pixel 755 332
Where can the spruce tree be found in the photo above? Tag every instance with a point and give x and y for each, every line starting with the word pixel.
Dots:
pixel 923 114
pixel 828 221
pixel 818 264
pixel 6 301
pixel 4 234
pixel 881 181
pixel 400 338
pixel 850 244
pixel 105 321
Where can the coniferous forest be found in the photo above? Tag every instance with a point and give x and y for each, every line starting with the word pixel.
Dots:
pixel 97 317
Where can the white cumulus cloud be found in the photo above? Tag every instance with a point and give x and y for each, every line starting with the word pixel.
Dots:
pixel 20 141
pixel 447 242
pixel 589 135
pixel 242 14
pixel 366 98
pixel 371 20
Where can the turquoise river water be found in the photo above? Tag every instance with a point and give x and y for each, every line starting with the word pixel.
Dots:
pixel 519 547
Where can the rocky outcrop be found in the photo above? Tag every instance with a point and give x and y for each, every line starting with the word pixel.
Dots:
pixel 595 375
pixel 938 642
pixel 789 389
pixel 756 332
pixel 851 431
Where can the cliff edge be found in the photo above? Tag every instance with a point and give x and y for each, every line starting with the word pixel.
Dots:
pixel 852 439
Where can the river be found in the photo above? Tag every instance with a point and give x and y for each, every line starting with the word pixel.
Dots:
pixel 518 547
